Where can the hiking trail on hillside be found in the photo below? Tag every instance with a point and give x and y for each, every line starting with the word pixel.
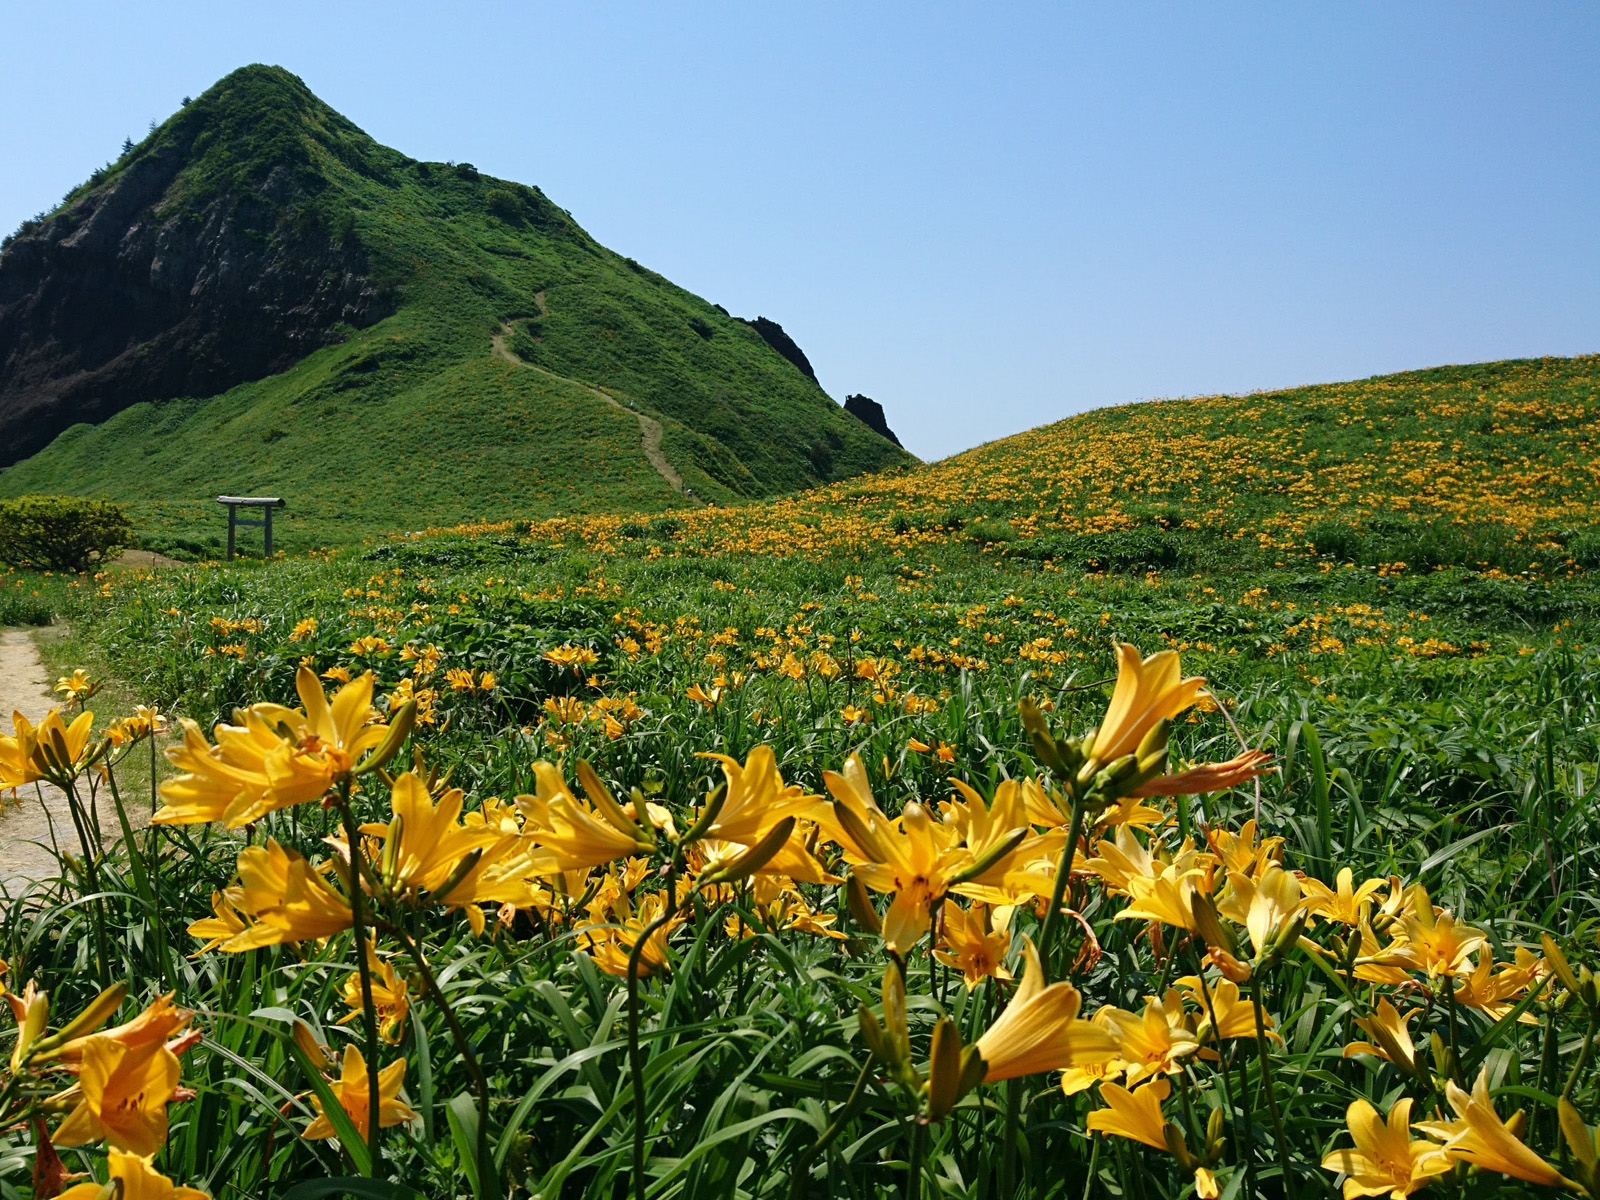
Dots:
pixel 649 427
pixel 29 828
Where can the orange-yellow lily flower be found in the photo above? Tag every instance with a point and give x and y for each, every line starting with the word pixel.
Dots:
pixel 389 997
pixel 1435 943
pixel 159 1023
pixel 1391 1037
pixel 1386 1161
pixel 16 753
pixel 1221 998
pixel 1148 691
pixel 287 897
pixel 1040 1029
pixel 573 836
pixel 225 923
pixel 1153 1042
pixel 1265 906
pixel 756 800
pixel 351 1091
pixel 1133 1114
pixel 121 1096
pixel 1343 902
pixel 975 941
pixel 1479 1136
pixel 139 1180
pixel 611 948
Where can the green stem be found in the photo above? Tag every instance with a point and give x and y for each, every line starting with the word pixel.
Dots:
pixel 369 1014
pixel 914 1168
pixel 1583 1056
pixel 1272 1095
pixel 1063 874
pixel 1450 1004
pixel 92 873
pixel 488 1175
pixel 635 1055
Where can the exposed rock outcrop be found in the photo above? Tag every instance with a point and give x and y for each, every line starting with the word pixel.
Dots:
pixel 772 333
pixel 870 413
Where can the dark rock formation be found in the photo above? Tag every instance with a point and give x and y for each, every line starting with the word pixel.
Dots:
pixel 870 413
pixel 772 333
pixel 134 292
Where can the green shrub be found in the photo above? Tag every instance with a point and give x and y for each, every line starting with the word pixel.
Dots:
pixel 987 529
pixel 61 533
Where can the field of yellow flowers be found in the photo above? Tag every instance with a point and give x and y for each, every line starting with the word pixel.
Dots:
pixel 949 835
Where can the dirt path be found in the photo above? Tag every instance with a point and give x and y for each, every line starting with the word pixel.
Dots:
pixel 649 427
pixel 25 831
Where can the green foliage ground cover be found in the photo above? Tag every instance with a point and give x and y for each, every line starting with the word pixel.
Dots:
pixel 411 422
pixel 1437 725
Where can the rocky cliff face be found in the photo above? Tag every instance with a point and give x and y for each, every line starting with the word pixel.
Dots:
pixel 129 294
pixel 870 413
pixel 772 333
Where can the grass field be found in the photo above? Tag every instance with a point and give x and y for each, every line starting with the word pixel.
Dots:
pixel 1403 616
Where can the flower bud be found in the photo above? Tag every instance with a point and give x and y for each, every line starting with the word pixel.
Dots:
pixel 753 859
pixel 862 910
pixel 944 1069
pixel 400 723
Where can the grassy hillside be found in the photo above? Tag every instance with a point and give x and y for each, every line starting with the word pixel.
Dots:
pixel 411 421
pixel 1493 465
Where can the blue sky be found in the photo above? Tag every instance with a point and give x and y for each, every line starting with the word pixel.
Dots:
pixel 985 216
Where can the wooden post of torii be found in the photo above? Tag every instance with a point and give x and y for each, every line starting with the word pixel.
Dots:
pixel 265 503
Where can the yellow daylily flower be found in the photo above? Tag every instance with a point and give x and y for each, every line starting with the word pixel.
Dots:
pixel 77 686
pixel 16 753
pixel 1495 993
pixel 1153 1042
pixel 611 948
pixel 1343 902
pixel 326 741
pixel 1391 1037
pixel 1266 906
pixel 137 1179
pixel 120 1097
pixel 1040 1029
pixel 756 800
pixel 159 1023
pixel 1385 1160
pixel 1245 852
pixel 1133 1114
pixel 1167 898
pixel 211 778
pixel 757 797
pixel 424 842
pixel 351 1091
pixel 975 941
pixel 1479 1136
pixel 59 750
pixel 1081 1079
pixel 1235 1016
pixel 389 997
pixel 1148 691
pixel 288 898
pixel 1433 942
pixel 574 836
pixel 218 928
pixel 32 1013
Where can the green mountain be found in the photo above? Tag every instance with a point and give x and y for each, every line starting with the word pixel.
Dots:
pixel 259 298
